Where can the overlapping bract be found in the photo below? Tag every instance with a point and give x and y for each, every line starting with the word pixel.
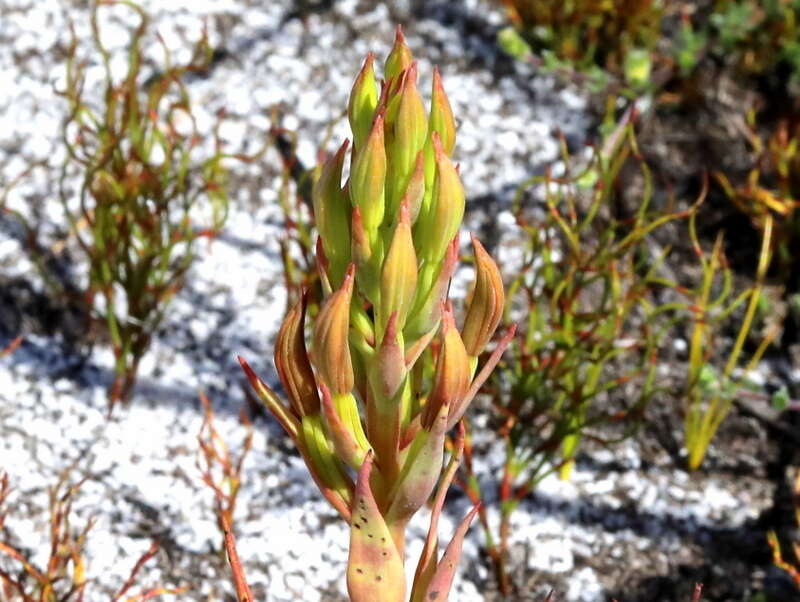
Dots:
pixel 391 373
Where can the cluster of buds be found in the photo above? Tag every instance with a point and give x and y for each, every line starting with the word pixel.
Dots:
pixel 388 373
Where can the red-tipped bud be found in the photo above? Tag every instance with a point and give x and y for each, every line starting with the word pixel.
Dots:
pixel 363 101
pixel 367 179
pixel 331 345
pixel 441 118
pixel 291 361
pixel 453 375
pixel 485 308
pixel 399 274
pixel 399 59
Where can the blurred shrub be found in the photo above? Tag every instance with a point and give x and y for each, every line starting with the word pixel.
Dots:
pixel 758 36
pixel 772 191
pixel 145 177
pixel 593 36
pixel 788 562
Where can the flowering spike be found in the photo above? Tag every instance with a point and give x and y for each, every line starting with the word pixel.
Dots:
pixel 331 347
pixel 394 224
pixel 363 101
pixel 486 306
pixel 375 566
pixel 291 361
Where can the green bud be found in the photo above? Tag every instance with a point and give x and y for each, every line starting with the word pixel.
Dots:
pixel 441 120
pixel 363 101
pixel 332 215
pixel 367 180
pixel 437 226
pixel 399 274
pixel 399 59
pixel 407 128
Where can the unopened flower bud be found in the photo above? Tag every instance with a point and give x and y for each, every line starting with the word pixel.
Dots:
pixel 332 214
pixel 291 361
pixel 331 345
pixel 453 376
pixel 363 100
pixel 441 123
pixel 407 128
pixel 436 227
pixel 399 274
pixel 441 118
pixel 399 59
pixel 367 179
pixel 486 305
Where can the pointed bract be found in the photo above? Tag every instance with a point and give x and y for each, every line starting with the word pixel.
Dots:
pixel 375 566
pixel 442 581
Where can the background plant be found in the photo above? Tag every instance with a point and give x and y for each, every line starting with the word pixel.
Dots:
pixel 711 389
pixel 144 179
pixel 64 578
pixel 222 473
pixel 593 324
pixel 361 403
